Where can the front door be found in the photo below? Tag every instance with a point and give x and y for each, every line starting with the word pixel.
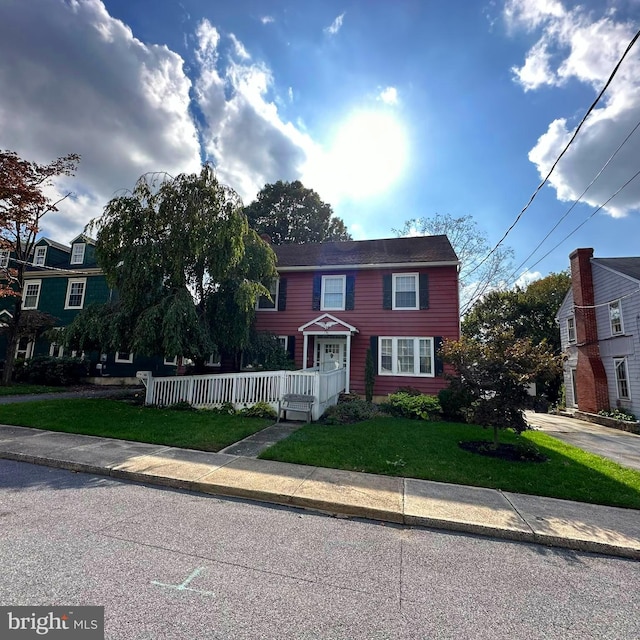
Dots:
pixel 330 354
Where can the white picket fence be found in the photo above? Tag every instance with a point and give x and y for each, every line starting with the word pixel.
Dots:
pixel 245 389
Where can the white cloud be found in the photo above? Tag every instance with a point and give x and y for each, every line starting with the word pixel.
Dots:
pixel 389 95
pixel 335 26
pixel 267 19
pixel 74 79
pixel 526 278
pixel 575 45
pixel 239 49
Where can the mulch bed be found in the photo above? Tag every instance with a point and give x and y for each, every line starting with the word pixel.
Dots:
pixel 511 452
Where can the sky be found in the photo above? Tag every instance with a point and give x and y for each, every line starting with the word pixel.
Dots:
pixel 390 109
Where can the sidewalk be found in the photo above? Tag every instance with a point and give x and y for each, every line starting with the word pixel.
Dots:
pixel 405 501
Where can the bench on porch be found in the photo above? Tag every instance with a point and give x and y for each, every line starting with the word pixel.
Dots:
pixel 295 402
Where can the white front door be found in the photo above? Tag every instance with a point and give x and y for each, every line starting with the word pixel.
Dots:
pixel 330 354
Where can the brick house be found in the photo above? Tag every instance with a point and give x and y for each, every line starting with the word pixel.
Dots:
pixel 397 296
pixel 599 323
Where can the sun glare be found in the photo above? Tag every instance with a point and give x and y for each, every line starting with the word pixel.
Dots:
pixel 367 154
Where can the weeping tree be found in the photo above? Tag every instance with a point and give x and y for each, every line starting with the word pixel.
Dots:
pixel 184 268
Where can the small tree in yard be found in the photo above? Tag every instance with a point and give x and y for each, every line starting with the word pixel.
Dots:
pixel 369 376
pixel 495 372
pixel 23 204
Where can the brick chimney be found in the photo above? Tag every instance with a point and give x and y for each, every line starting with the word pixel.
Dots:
pixel 591 378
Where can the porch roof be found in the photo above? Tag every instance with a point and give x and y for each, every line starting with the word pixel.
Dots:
pixel 326 324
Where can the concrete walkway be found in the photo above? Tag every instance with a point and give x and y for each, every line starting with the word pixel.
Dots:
pixel 620 446
pixel 405 501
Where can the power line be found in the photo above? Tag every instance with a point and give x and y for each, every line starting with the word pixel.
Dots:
pixel 573 137
pixel 570 209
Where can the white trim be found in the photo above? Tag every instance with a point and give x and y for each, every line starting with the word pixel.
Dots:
pixel 332 321
pixel 284 342
pixel 70 284
pixel 27 284
pixel 42 248
pixel 172 362
pixel 343 279
pixel 416 279
pixel 416 357
pixel 571 340
pixel 77 257
pixel 377 265
pixel 127 360
pixel 5 255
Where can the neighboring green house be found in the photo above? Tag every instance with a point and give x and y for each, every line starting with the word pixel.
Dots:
pixel 61 281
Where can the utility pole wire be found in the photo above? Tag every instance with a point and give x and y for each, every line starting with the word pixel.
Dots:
pixel 573 137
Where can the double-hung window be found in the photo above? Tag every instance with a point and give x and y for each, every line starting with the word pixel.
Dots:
pixel 264 304
pixel 40 256
pixel 124 357
pixel 615 318
pixel 4 258
pixel 333 293
pixel 405 356
pixel 622 379
pixel 405 291
pixel 571 330
pixel 31 294
pixel 77 253
pixel 75 293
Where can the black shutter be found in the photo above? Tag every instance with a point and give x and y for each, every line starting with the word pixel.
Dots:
pixel 424 291
pixel 317 292
pixel 439 364
pixel 387 292
pixel 282 294
pixel 291 347
pixel 350 293
pixel 373 344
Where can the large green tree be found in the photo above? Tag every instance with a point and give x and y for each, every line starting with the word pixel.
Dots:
pixel 24 201
pixel 481 269
pixel 289 213
pixel 185 268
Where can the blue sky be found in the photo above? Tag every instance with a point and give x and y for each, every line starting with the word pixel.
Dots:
pixel 391 110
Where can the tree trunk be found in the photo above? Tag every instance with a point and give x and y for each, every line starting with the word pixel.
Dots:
pixel 13 336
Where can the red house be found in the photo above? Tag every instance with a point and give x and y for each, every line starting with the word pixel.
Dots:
pixel 397 296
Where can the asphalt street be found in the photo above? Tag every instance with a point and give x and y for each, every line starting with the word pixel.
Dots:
pixel 170 564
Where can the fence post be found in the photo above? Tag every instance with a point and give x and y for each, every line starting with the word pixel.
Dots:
pixel 149 391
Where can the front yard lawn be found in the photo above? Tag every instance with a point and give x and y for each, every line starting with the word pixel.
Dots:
pixel 203 430
pixel 20 389
pixel 429 450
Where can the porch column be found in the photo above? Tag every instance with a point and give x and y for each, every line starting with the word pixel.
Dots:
pixel 348 371
pixel 304 351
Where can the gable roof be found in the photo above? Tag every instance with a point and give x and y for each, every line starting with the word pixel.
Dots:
pixel 627 266
pixel 53 243
pixel 418 250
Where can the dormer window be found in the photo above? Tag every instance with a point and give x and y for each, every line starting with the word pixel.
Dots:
pixel 4 258
pixel 77 253
pixel 39 256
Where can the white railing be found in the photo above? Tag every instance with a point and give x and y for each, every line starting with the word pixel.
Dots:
pixel 245 389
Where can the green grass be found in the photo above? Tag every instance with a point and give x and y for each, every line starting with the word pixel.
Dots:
pixel 22 389
pixel 416 449
pixel 203 430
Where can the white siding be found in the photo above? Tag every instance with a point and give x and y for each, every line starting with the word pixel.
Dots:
pixel 609 286
pixel 569 352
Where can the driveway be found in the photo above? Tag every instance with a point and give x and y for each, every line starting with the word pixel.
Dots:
pixel 619 446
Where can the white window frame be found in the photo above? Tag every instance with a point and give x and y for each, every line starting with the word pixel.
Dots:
pixel 5 254
pixel 70 284
pixel 274 290
pixel 56 350
pixel 283 341
pixel 612 306
pixel 622 381
pixel 571 330
pixel 127 360
pixel 171 362
pixel 325 279
pixel 416 277
pixel 27 284
pixel 40 256
pixel 28 350
pixel 213 360
pixel 395 369
pixel 77 255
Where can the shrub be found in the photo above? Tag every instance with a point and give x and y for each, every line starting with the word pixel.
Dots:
pixel 183 405
pixel 455 401
pixel 355 410
pixel 410 391
pixel 259 410
pixel 406 405
pixel 618 414
pixel 52 371
pixel 226 408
